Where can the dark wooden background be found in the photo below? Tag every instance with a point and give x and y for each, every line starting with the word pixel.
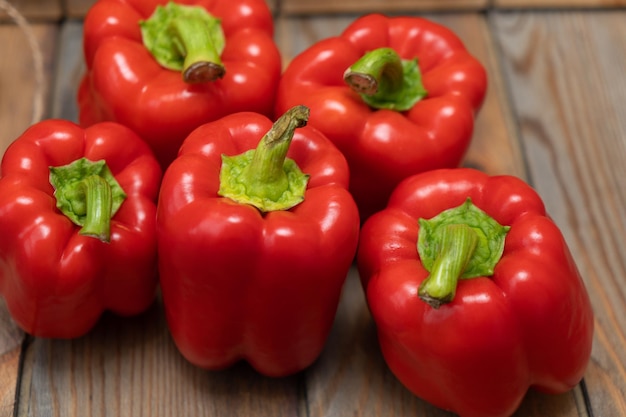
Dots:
pixel 555 115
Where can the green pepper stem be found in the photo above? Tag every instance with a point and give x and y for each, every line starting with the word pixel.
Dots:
pixel 380 68
pixel 99 201
pixel 385 81
pixel 202 61
pixel 458 243
pixel 265 175
pixel 187 39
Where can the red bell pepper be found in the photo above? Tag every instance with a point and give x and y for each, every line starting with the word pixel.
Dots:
pixel 78 221
pixel 255 245
pixel 164 69
pixel 474 292
pixel 397 95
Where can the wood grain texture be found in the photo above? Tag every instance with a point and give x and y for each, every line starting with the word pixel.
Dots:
pixel 495 145
pixel 557 4
pixel 35 10
pixel 566 73
pixel 311 7
pixel 131 367
pixel 77 8
pixel 70 69
pixel 18 80
pixel 11 339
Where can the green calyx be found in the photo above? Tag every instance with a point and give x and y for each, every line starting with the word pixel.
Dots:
pixel 88 194
pixel 264 177
pixel 460 243
pixel 385 81
pixel 187 39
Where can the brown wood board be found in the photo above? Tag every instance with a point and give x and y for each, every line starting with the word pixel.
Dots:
pixel 557 4
pixel 23 93
pixel 567 84
pixel 34 10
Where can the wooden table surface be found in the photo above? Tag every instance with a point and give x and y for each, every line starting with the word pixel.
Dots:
pixel 555 115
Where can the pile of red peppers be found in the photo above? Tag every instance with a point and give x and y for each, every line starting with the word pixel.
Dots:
pixel 246 192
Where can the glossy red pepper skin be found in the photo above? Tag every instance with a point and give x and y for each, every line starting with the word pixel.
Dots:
pixel 57 282
pixel 384 146
pixel 124 83
pixel 530 325
pixel 241 285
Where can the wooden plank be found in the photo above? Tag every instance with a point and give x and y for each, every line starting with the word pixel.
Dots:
pixel 130 367
pixel 33 10
pixel 352 375
pixel 558 4
pixel 495 145
pixel 567 85
pixel 9 368
pixel 70 69
pixel 77 8
pixel 10 347
pixel 301 7
pixel 24 89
